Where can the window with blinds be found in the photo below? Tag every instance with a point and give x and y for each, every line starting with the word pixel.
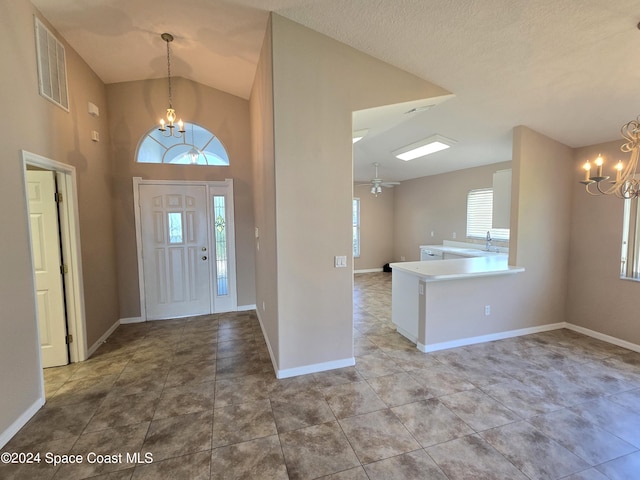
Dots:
pixel 52 68
pixel 479 216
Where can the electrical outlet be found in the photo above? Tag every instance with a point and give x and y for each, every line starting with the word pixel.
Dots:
pixel 454 235
pixel 487 310
pixel 433 233
pixel 264 307
pixel 402 258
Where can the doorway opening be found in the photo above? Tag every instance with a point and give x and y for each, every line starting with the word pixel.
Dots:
pixel 55 256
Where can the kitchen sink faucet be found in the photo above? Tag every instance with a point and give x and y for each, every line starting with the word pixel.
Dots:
pixel 488 247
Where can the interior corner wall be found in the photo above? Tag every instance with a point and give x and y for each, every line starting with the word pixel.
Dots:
pixel 540 226
pixel 376 227
pixel 317 84
pixel 40 127
pixel 134 109
pixel 438 204
pixel 598 299
pixel 262 142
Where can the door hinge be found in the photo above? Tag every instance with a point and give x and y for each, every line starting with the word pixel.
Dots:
pixel 58 197
pixel 68 339
pixel 64 269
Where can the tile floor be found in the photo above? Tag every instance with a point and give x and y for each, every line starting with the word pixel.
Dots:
pixel 200 397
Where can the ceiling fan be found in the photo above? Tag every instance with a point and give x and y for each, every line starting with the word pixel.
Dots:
pixel 377 183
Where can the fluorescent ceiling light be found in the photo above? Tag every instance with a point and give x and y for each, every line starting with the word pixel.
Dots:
pixel 433 144
pixel 359 134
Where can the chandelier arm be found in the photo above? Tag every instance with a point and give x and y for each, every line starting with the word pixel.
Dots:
pixel 608 191
pixel 586 187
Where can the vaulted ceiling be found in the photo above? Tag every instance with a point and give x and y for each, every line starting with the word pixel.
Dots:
pixel 568 70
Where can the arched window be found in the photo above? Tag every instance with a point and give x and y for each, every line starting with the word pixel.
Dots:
pixel 198 146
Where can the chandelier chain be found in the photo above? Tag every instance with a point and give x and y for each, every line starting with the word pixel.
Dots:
pixel 169 73
pixel 171 113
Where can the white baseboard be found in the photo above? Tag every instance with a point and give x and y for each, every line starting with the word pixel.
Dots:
pixel 126 321
pixel 407 335
pixel 266 340
pixel 603 337
pixel 434 347
pixel 368 270
pixel 294 372
pixel 315 368
pixel 102 339
pixel 20 422
pixel 246 308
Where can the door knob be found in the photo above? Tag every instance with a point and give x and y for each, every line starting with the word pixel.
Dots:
pixel 204 257
pixel 204 249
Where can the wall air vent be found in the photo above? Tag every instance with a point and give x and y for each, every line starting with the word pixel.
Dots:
pixel 52 69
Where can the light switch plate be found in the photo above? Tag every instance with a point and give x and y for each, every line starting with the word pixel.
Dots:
pixel 340 261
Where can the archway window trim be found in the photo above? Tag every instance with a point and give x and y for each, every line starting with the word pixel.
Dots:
pixel 204 149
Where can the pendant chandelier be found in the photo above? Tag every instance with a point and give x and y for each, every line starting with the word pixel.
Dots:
pixel 171 113
pixel 626 185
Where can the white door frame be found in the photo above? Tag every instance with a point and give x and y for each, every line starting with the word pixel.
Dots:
pixel 70 241
pixel 228 183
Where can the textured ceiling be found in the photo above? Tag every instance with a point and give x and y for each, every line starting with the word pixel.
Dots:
pixel 566 69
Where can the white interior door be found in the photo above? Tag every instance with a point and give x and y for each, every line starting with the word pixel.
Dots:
pixel 45 246
pixel 175 250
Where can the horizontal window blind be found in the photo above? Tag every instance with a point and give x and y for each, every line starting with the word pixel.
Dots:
pixel 479 215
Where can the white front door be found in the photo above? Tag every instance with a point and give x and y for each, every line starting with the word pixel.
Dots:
pixel 45 246
pixel 175 250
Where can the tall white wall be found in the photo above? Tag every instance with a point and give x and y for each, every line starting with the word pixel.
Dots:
pixel 317 84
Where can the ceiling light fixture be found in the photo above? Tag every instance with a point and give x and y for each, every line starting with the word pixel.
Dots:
pixel 359 134
pixel 171 113
pixel 433 144
pixel 626 185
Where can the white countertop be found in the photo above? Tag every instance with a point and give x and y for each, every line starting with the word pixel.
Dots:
pixel 439 270
pixel 464 252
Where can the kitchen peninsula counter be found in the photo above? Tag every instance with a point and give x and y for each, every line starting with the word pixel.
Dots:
pixel 458 268
pixel 445 303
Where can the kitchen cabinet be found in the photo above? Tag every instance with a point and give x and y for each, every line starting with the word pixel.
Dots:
pixel 502 198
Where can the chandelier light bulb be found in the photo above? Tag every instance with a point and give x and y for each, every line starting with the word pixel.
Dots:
pixel 587 170
pixel 619 168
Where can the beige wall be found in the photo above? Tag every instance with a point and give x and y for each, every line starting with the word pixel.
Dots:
pixel 540 226
pixel 134 108
pixel 540 219
pixel 436 203
pixel 318 83
pixel 262 132
pixel 597 298
pixel 376 227
pixel 40 127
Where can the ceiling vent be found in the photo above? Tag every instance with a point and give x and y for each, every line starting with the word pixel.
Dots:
pixel 52 70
